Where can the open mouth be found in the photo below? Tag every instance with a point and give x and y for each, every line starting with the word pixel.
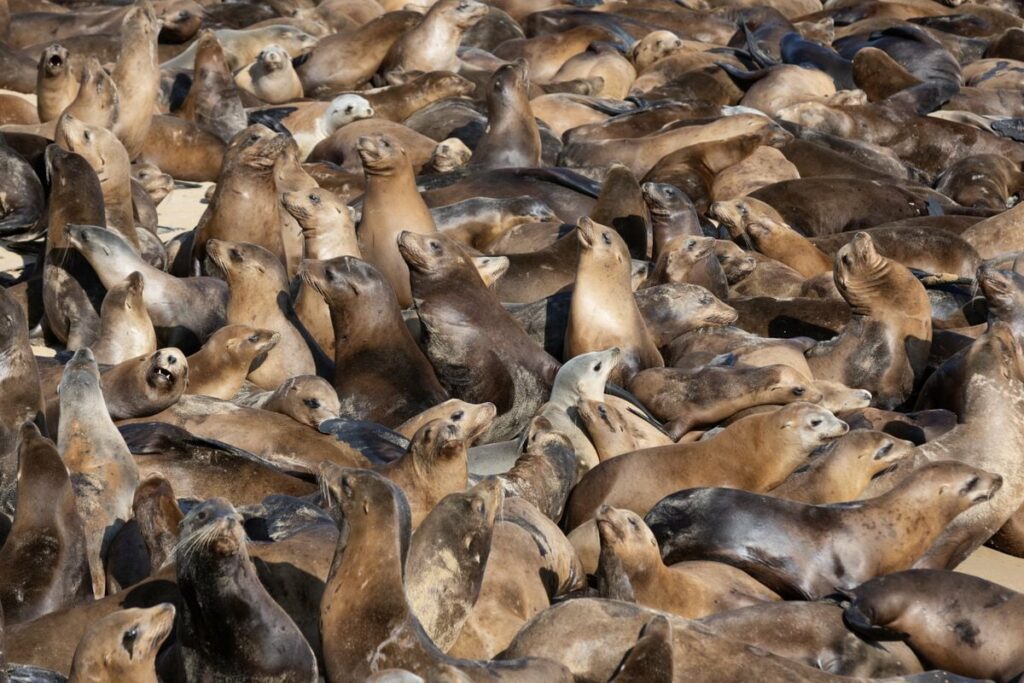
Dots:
pixel 164 375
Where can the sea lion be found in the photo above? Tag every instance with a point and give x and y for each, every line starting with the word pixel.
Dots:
pixel 23 217
pixel 184 311
pixel 123 645
pixel 436 464
pixel 145 385
pixel 183 150
pixel 154 524
pixel 108 158
pixel 46 524
pixel 391 205
pixel 818 548
pixel 19 384
pixel 245 205
pixel 219 368
pixel 307 399
pixel 432 45
pixel 615 430
pixel 686 399
pixel 380 373
pixel 271 77
pixel 126 330
pixel 893 328
pixel 242 46
pixel 103 473
pixel 216 572
pixel 944 617
pixel 399 102
pixel 636 481
pixel 985 180
pixel 137 75
pixel 311 124
pixel 603 279
pixel 258 297
pixel 689 589
pixel 512 138
pixel 379 538
pixel 494 361
pixel 97 102
pixel 57 82
pixel 782 243
pixel 690 259
pixel 544 472
pixel 213 102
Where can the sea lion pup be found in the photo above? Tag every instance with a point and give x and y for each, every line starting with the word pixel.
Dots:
pixel 603 283
pixel 636 481
pixel 686 399
pixel 126 330
pixel 157 184
pixel 449 155
pixel 370 564
pixel 380 373
pixel 807 551
pixel 447 557
pixel 884 347
pixel 220 367
pixel 436 462
pixel 271 77
pixel 184 311
pixel 432 45
pixel 137 75
pixel 46 524
pixel 512 138
pixel 123 646
pixel 841 470
pixel 213 101
pixel 103 472
pixel 690 589
pixel 391 205
pixel 245 205
pixel 218 639
pixel 492 361
pixel 944 617
pixel 580 378
pixel 72 290
pixel 312 124
pixel 258 296
pixel 615 430
pixel 56 82
pixel 690 259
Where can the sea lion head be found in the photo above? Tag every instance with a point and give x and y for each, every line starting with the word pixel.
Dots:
pixel 462 13
pixel 317 203
pixel 212 528
pixel 380 153
pixel 92 240
pixel 362 499
pixel 81 375
pixel 627 536
pixel 123 645
pixel 141 21
pixel 529 209
pixel 294 40
pixel 601 242
pixel 585 375
pixel 95 144
pixel 434 254
pixel 860 272
pixel 839 398
pixel 960 485
pixel 346 281
pixel 737 214
pixel 785 385
pixel 155 182
pixel 345 109
pixel 808 424
pixel 491 268
pixel 736 263
pixel 764 230
pixel 167 371
pixel 307 399
pixel 447 84
pixel 681 253
pixel 127 295
pixel 654 46
pixel 255 147
pixel 871 450
pixel 996 354
pixel 274 58
pixel 1003 290
pixel 709 310
pixel 241 262
pixel 156 511
pixel 447 438
pixel 54 61
pixel 12 322
pixel 509 85
pixel 180 20
pixel 663 199
pixel 449 155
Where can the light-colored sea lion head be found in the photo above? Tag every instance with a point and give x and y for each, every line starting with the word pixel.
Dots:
pixel 319 204
pixel 353 495
pixel 155 182
pixel 97 145
pixel 293 40
pixel 601 242
pixel 54 61
pixel 861 273
pixel 585 376
pixel 461 13
pixel 167 370
pixel 654 46
pixel 996 354
pixel 628 537
pixel 681 253
pixel 274 58
pixel 141 21
pixel 869 448
pixel 839 398
pixel 958 484
pixel 449 155
pixel 128 294
pixel 663 198
pixel 244 343
pixel 345 109
pixel 81 376
pixel 243 262
pixel 447 438
pixel 307 399
pixel 123 645
pixel 448 83
pixel 807 424
pixel 432 254
pixel 786 385
pixel 737 214
pixel 736 263
pixel 491 268
pixel 380 153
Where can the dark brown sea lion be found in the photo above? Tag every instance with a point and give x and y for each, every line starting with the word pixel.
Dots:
pixel 23 218
pixel 19 385
pixel 512 138
pixel 380 373
pixel 497 362
pixel 986 180
pixel 815 549
pixel 953 621
pixel 123 645
pixel 216 573
pixel 46 524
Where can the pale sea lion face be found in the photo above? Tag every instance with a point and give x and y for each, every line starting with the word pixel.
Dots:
pixel 54 60
pixel 167 369
pixel 812 425
pixel 601 240
pixel 346 109
pixel 274 58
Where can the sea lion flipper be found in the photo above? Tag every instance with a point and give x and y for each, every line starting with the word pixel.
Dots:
pixel 859 623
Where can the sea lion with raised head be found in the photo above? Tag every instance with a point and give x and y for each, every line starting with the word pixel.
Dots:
pixel 126 330
pixel 56 83
pixel 432 45
pixel 271 77
pixel 145 385
pixel 137 75
pixel 219 368
pixel 19 385
pixel 213 101
pixel 512 138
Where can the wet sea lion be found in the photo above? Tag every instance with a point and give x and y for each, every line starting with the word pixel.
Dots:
pixel 271 77
pixel 603 279
pixel 123 645
pixel 137 75
pixel 102 470
pixel 219 368
pixel 46 524
pixel 512 138
pixel 380 373
pixel 637 481
pixel 815 551
pixel 23 217
pixel 126 330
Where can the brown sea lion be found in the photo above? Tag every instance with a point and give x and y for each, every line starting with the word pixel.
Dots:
pixel 97 102
pixel 984 180
pixel 512 138
pixel 183 150
pixel 220 367
pixel 614 431
pixel 19 384
pixel 431 46
pixel 57 82
pixel 137 75
pixel 213 101
pixel 126 330
pixel 123 645
pixel 271 77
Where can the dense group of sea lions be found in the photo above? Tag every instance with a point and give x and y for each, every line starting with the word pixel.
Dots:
pixel 527 340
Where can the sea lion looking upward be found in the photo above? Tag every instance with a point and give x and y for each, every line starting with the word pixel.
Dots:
pixel 432 45
pixel 56 82
pixel 391 205
pixel 126 330
pixel 137 75
pixel 213 101
pixel 97 102
pixel 512 138
pixel 603 282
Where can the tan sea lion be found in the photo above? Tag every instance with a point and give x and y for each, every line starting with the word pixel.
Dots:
pixel 431 46
pixel 307 399
pixel 126 330
pixel 213 101
pixel 56 83
pixel 315 122
pixel 220 367
pixel 144 385
pixel 512 138
pixel 614 430
pixel 137 75
pixel 123 645
pixel 97 102
pixel 271 77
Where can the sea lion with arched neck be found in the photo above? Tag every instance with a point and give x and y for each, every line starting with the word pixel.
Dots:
pixel 219 368
pixel 97 102
pixel 512 138
pixel 494 361
pixel 137 75
pixel 56 82
pixel 885 345
pixel 391 205
pixel 603 280
pixel 46 517
pixel 126 330
pixel 432 45
pixel 380 373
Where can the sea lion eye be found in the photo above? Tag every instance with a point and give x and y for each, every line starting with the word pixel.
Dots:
pixel 87 135
pixel 457 416
pixel 607 238
pixel 314 199
pixel 128 641
pixel 254 338
pixel 348 109
pixel 816 422
pixel 799 391
pixel 632 523
pixel 312 403
pixel 597 368
pixel 847 261
pixel 236 255
pixel 254 137
pixel 436 247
